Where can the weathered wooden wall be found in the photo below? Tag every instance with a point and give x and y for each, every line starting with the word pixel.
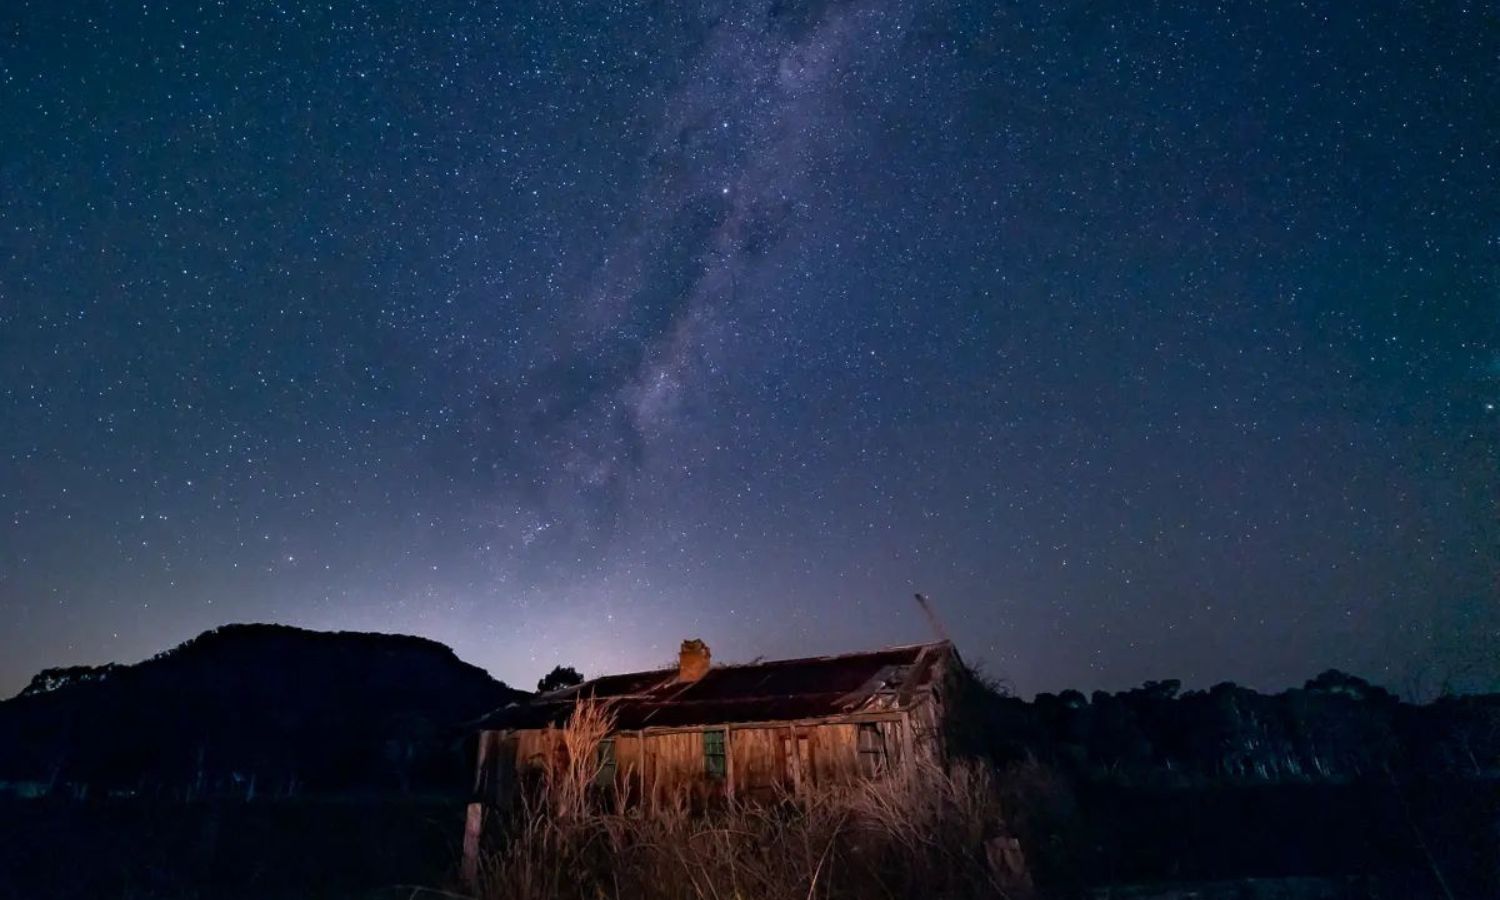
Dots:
pixel 673 762
pixel 754 760
pixel 834 754
pixel 629 765
pixel 535 747
pixel 759 759
pixel 894 733
pixel 497 768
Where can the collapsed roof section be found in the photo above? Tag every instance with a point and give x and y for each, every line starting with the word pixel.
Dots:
pixel 776 691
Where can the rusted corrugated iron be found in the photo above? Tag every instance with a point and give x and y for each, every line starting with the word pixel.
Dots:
pixel 781 690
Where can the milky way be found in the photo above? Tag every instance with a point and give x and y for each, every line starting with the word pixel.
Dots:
pixel 1149 343
pixel 724 173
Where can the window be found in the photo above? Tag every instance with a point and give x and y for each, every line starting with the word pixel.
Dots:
pixel 606 773
pixel 715 763
pixel 872 755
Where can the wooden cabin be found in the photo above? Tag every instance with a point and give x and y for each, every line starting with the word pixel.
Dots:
pixel 705 731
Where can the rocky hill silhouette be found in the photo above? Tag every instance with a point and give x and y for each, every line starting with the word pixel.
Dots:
pixel 248 710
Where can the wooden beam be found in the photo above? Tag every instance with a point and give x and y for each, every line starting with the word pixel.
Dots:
pixel 728 766
pixel 846 719
pixel 473 836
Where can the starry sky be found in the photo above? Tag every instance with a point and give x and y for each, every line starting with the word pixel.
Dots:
pixel 1150 340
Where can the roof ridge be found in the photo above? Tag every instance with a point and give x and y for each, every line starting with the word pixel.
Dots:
pixel 765 691
pixel 845 655
pixel 574 691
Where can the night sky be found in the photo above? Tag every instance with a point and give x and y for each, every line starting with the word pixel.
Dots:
pixel 1150 340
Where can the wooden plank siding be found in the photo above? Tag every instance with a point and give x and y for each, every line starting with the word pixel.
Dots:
pixel 673 762
pixel 629 765
pixel 753 762
pixel 834 753
pixel 497 769
pixel 893 735
pixel 759 759
pixel 535 747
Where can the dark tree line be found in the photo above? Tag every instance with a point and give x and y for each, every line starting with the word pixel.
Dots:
pixel 1335 727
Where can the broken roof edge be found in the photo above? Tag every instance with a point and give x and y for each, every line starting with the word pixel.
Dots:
pixel 670 672
pixel 927 651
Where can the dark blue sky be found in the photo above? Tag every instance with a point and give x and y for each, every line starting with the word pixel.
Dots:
pixel 1159 341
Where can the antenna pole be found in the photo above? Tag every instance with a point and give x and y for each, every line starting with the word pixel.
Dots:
pixel 932 619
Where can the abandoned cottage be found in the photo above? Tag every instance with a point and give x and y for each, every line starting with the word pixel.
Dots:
pixel 732 730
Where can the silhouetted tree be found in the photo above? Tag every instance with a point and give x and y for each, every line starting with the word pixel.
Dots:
pixel 1335 682
pixel 560 677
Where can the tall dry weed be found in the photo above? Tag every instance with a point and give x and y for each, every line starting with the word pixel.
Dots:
pixel 921 831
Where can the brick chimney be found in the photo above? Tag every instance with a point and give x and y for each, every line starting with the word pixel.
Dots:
pixel 692 660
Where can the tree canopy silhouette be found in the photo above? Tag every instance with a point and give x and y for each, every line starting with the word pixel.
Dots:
pixel 560 677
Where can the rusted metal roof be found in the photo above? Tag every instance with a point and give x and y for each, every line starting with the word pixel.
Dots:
pixel 774 691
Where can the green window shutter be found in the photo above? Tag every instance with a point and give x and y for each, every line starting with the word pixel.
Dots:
pixel 606 773
pixel 715 761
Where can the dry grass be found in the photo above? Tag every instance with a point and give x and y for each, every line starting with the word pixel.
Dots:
pixel 922 832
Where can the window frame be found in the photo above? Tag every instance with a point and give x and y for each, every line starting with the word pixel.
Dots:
pixel 874 755
pixel 716 753
pixel 607 762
